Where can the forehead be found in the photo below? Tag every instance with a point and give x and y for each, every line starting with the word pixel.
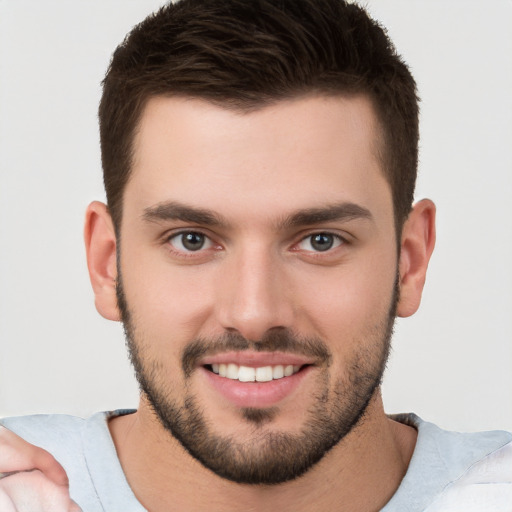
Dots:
pixel 294 154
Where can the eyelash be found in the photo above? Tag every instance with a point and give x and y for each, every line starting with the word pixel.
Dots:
pixel 337 241
pixel 184 252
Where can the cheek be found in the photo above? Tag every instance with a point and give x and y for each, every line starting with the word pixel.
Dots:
pixel 165 300
pixel 350 302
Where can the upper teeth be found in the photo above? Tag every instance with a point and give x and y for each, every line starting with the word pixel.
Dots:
pixel 250 374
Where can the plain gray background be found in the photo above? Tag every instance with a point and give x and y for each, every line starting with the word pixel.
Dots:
pixel 451 362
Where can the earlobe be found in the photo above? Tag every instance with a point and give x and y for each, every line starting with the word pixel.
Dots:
pixel 418 240
pixel 100 245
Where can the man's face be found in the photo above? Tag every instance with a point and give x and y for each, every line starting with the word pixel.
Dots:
pixel 257 278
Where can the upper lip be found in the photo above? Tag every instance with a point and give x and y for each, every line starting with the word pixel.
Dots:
pixel 256 359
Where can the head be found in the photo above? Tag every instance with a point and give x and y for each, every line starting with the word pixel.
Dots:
pixel 259 163
pixel 247 55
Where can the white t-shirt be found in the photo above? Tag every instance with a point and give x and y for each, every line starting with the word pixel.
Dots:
pixel 449 471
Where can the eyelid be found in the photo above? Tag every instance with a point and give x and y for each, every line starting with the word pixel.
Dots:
pixel 207 243
pixel 343 239
pixel 185 253
pixel 183 230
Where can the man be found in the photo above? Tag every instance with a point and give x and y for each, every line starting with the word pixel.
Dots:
pixel 259 240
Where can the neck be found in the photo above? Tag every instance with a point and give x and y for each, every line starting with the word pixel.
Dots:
pixel 361 473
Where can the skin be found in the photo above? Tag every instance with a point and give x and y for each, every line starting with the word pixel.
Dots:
pixel 254 170
pixel 31 480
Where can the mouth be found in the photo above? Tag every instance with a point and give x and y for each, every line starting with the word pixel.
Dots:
pixel 243 373
pixel 255 379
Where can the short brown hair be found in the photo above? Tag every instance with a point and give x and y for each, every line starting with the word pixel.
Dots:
pixel 245 54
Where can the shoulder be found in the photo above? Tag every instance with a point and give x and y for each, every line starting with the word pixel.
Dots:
pixel 485 486
pixel 456 451
pixel 41 426
pixel 61 434
pixel 84 448
pixel 456 471
pixel 57 433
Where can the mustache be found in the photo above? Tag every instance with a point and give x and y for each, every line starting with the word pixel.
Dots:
pixel 274 340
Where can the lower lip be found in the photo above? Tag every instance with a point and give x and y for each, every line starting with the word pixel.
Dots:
pixel 256 394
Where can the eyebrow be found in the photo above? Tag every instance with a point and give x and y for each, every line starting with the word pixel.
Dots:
pixel 173 210
pixel 337 212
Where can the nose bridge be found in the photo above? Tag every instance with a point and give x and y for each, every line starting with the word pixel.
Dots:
pixel 255 297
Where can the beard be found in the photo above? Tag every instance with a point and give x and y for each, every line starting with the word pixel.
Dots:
pixel 270 457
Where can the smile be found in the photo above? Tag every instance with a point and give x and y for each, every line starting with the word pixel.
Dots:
pixel 255 379
pixel 254 374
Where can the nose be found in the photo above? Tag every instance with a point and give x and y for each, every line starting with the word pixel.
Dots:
pixel 255 294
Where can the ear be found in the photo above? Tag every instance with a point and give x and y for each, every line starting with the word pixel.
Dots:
pixel 100 245
pixel 418 240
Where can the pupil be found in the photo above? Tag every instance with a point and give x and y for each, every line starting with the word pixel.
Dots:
pixel 193 241
pixel 322 242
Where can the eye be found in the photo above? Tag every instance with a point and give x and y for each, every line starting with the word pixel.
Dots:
pixel 320 242
pixel 190 241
